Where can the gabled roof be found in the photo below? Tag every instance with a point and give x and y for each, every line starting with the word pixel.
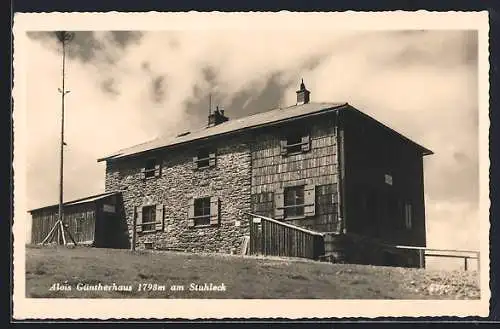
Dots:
pixel 79 201
pixel 258 120
pixel 231 126
pixel 425 151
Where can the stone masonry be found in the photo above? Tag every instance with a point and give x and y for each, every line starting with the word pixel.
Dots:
pixel 230 180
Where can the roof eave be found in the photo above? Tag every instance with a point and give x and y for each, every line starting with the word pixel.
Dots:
pixel 334 108
pixel 69 203
pixel 425 151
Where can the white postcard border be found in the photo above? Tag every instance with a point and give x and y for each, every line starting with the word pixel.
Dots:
pixel 28 308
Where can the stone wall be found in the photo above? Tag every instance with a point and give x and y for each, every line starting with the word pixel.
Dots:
pixel 178 183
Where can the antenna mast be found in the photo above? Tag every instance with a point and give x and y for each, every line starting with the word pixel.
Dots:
pixel 60 227
pixel 210 104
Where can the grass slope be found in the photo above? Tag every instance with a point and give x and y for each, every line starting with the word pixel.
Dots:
pixel 243 277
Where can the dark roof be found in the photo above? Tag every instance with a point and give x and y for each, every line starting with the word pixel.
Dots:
pixel 267 118
pixel 79 201
pixel 251 121
pixel 425 151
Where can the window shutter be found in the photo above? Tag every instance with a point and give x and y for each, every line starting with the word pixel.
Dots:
pixel 211 160
pixel 279 203
pixel 143 173
pixel 157 170
pixel 195 163
pixel 191 213
pixel 214 210
pixel 309 200
pixel 139 219
pixel 306 143
pixel 283 145
pixel 159 217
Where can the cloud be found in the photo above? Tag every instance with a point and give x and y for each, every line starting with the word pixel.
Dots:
pixel 128 87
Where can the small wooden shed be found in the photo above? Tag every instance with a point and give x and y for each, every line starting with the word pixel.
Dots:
pixel 97 220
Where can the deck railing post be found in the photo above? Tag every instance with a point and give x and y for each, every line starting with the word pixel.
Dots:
pixel 421 255
pixel 465 263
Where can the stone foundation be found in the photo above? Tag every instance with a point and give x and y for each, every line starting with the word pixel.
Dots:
pixel 356 249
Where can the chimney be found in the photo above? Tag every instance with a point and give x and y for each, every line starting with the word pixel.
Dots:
pixel 303 94
pixel 217 117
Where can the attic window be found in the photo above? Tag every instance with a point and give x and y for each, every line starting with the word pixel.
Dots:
pixel 205 158
pixel 296 142
pixel 151 169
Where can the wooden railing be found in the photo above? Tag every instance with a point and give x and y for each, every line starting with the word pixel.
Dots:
pixel 447 253
pixel 274 238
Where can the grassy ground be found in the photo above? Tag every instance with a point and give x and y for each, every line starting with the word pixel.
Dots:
pixel 243 277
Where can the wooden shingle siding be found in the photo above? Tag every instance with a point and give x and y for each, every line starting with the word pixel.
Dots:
pixel 375 208
pixel 263 204
pixel 317 166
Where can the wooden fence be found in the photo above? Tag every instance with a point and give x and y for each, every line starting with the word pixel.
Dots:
pixel 447 253
pixel 271 237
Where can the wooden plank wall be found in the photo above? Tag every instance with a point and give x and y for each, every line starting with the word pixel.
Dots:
pixel 272 171
pixel 272 238
pixel 374 208
pixel 80 219
pixel 42 223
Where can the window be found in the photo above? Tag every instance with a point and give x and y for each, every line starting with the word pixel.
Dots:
pixel 204 211
pixel 151 169
pixel 204 159
pixel 408 216
pixel 295 143
pixel 294 201
pixel 148 218
pixel 388 179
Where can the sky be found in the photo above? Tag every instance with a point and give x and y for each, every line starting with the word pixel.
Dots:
pixel 129 87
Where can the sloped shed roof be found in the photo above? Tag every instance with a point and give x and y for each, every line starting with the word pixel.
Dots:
pixel 87 199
